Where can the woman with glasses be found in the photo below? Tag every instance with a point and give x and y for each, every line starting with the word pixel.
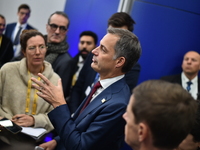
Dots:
pixel 18 100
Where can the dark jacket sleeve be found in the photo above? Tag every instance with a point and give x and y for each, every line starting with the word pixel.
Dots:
pixel 132 77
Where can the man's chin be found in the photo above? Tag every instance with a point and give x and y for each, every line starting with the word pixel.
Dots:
pixel 55 41
pixel 93 65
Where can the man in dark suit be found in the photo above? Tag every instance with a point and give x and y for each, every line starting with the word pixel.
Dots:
pixel 100 125
pixel 57 52
pixel 190 66
pixel 88 76
pixel 6 47
pixel 13 30
pixel 87 42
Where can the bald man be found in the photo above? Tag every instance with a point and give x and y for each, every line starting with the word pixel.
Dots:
pixel 189 76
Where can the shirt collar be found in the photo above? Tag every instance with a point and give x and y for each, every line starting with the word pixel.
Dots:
pixel 185 79
pixel 23 25
pixel 107 82
pixel 80 59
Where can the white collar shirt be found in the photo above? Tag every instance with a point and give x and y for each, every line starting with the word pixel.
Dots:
pixel 106 83
pixel 194 86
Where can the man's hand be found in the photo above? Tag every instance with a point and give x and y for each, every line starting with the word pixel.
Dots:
pixel 49 92
pixel 49 145
pixel 23 120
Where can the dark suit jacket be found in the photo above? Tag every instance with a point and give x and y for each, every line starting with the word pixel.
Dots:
pixel 177 79
pixel 10 28
pixel 86 78
pixel 99 127
pixel 74 63
pixel 6 50
pixel 62 66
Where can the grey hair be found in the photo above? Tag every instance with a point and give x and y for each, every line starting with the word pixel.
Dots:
pixel 59 13
pixel 128 46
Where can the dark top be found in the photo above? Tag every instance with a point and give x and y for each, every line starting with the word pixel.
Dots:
pixel 6 50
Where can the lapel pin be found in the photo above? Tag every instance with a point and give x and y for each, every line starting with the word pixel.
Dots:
pixel 103 100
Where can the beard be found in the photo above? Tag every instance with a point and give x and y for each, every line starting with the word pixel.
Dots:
pixel 84 53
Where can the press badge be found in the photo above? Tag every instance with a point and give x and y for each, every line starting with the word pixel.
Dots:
pixel 87 91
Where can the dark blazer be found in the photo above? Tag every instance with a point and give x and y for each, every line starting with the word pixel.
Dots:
pixel 177 79
pixel 10 28
pixel 74 63
pixel 86 78
pixel 99 127
pixel 62 66
pixel 6 50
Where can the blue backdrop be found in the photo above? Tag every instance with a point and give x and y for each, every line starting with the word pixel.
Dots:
pixel 167 29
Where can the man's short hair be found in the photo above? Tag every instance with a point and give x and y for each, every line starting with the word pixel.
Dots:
pixel 167 109
pixel 24 6
pixel 120 19
pixel 1 16
pixel 59 13
pixel 90 33
pixel 128 46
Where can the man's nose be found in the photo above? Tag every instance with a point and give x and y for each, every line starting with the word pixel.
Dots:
pixel 57 30
pixel 95 51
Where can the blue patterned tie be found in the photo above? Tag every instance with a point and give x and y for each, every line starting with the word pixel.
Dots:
pixel 188 86
pixel 17 37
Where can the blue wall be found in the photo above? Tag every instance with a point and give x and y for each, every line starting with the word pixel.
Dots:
pixel 88 15
pixel 167 29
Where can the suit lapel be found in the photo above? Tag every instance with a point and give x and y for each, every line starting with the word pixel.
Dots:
pixel 101 99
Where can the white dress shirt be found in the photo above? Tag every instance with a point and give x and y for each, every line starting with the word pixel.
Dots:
pixel 194 86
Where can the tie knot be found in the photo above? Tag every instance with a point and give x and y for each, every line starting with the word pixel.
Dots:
pixel 97 85
pixel 188 86
pixel 189 83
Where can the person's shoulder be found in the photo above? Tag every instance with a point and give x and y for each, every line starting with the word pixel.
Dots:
pixel 10 65
pixel 121 90
pixel 49 70
pixel 30 27
pixel 11 24
pixel 5 38
pixel 64 57
pixel 168 77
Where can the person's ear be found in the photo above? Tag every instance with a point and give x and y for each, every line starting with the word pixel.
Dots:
pixel 47 28
pixel 120 62
pixel 142 132
pixel 24 53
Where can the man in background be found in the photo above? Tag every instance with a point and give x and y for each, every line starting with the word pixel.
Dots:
pixel 156 116
pixel 57 52
pixel 188 79
pixel 6 47
pixel 14 30
pixel 87 42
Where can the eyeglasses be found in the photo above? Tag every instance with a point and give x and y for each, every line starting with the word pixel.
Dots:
pixel 54 27
pixel 41 48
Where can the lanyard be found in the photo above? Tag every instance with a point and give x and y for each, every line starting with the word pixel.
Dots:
pixel 29 94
